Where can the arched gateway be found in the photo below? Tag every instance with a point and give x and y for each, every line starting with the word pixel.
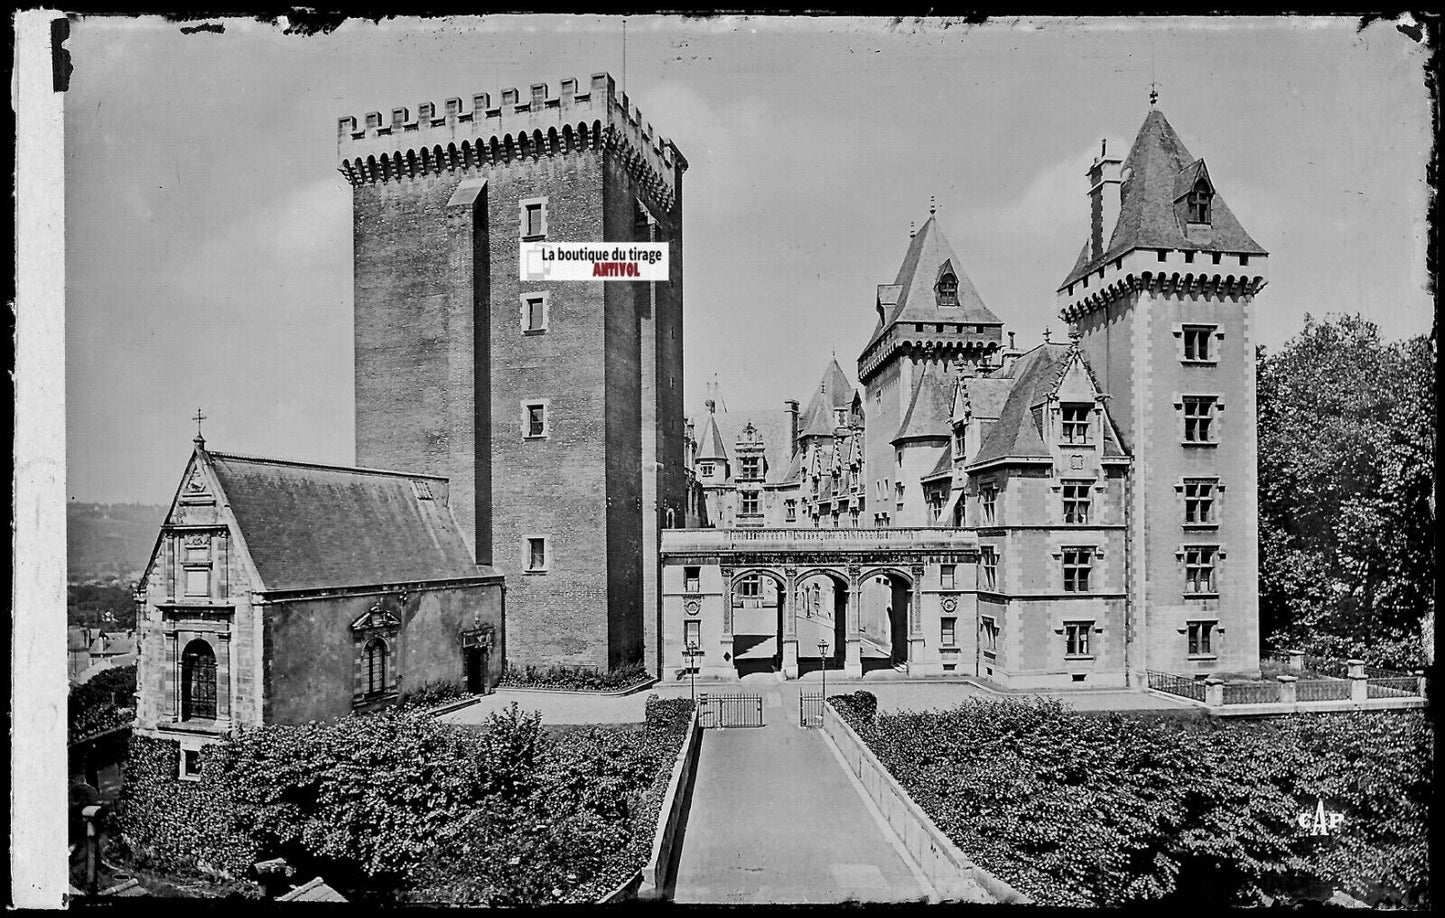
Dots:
pixel 754 600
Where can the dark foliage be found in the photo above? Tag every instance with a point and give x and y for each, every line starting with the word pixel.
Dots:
pixel 103 702
pixel 1094 810
pixel 575 678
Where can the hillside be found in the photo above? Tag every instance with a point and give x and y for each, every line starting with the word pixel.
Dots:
pixel 109 540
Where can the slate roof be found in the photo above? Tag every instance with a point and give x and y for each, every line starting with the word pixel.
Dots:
pixel 834 391
pixel 916 301
pixel 710 444
pixel 1017 433
pixel 986 395
pixel 944 465
pixel 313 526
pixel 1160 171
pixel 929 409
pixel 772 425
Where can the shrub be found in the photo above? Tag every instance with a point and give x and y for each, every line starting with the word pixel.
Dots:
pixel 432 694
pixel 861 706
pixel 101 703
pixel 1088 809
pixel 574 678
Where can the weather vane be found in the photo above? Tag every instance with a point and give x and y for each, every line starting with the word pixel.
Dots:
pixel 198 419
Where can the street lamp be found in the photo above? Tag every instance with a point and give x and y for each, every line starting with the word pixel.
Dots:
pixel 692 652
pixel 823 659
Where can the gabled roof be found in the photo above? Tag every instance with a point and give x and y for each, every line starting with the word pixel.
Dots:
pixel 314 526
pixel 916 301
pixel 929 410
pixel 834 391
pixel 1151 212
pixel 1034 377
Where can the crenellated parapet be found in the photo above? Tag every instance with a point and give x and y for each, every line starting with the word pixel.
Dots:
pixel 1167 272
pixel 459 136
pixel 927 344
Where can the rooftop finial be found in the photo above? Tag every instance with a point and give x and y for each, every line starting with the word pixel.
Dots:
pixel 1074 333
pixel 911 231
pixel 200 440
pixel 1153 93
pixel 1048 333
pixel 932 205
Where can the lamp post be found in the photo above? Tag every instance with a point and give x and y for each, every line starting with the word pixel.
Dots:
pixel 823 659
pixel 692 653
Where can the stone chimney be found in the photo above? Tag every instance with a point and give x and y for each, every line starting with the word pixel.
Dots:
pixel 791 406
pixel 1009 356
pixel 1105 184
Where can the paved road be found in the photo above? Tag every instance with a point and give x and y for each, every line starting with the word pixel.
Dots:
pixel 775 817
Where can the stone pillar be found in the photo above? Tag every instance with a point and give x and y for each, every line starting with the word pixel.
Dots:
pixel 1419 675
pixel 853 651
pixel 1359 682
pixel 1288 690
pixel 1296 660
pixel 915 623
pixel 1214 692
pixel 725 642
pixel 789 601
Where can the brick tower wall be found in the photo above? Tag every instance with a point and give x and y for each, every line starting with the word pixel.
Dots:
pixel 443 367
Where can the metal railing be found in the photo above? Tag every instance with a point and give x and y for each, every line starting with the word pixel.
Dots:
pixel 729 710
pixel 1337 669
pixel 1176 685
pixel 810 709
pixel 1398 686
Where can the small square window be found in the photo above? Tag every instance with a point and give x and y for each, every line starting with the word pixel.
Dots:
pixel 534 218
pixel 534 312
pixel 1214 257
pixel 1199 418
pixel 191 764
pixel 948 631
pixel 1199 497
pixel 1077 498
pixel 946 573
pixel 534 420
pixel 1199 569
pixel 691 579
pixel 1201 639
pixel 536 554
pixel 1163 254
pixel 1244 261
pixel 1076 423
pixel 1078 564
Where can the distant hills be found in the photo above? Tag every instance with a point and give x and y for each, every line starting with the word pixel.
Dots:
pixel 105 541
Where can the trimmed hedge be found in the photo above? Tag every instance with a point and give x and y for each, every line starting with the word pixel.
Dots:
pixel 1089 810
pixel 574 678
pixel 396 806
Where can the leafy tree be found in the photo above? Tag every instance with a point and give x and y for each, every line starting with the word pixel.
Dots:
pixel 1346 478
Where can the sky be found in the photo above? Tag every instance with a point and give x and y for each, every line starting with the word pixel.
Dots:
pixel 208 258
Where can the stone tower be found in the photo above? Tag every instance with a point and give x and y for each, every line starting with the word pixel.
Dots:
pixel 930 319
pixel 555 409
pixel 1165 308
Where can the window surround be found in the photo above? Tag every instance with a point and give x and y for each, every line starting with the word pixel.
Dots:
pixel 1216 401
pixel 522 206
pixel 1217 555
pixel 525 301
pixel 1216 499
pixel 527 406
pixel 1201 635
pixel 1075 431
pixel 1215 335
pixel 529 541
pixel 1078 634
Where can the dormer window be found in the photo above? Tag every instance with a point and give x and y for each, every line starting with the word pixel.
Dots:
pixel 948 290
pixel 1198 202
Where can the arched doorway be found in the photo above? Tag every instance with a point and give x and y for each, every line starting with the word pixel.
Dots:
pixel 758 605
pixel 886 598
pixel 822 616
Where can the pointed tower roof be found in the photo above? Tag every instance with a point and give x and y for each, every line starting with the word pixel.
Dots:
pixel 929 409
pixel 710 445
pixel 912 297
pixel 834 391
pixel 1158 175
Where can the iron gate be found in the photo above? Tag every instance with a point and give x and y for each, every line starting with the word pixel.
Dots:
pixel 730 710
pixel 810 709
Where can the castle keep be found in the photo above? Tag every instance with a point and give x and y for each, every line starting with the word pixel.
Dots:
pixel 554 409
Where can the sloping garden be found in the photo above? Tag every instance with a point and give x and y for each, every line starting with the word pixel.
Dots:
pixel 1090 809
pixel 399 808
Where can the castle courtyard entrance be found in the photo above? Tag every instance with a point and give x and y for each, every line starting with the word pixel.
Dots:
pixel 793 601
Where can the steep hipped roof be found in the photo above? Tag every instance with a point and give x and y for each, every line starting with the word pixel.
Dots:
pixel 929 409
pixel 834 391
pixel 1159 172
pixel 944 465
pixel 313 526
pixel 923 264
